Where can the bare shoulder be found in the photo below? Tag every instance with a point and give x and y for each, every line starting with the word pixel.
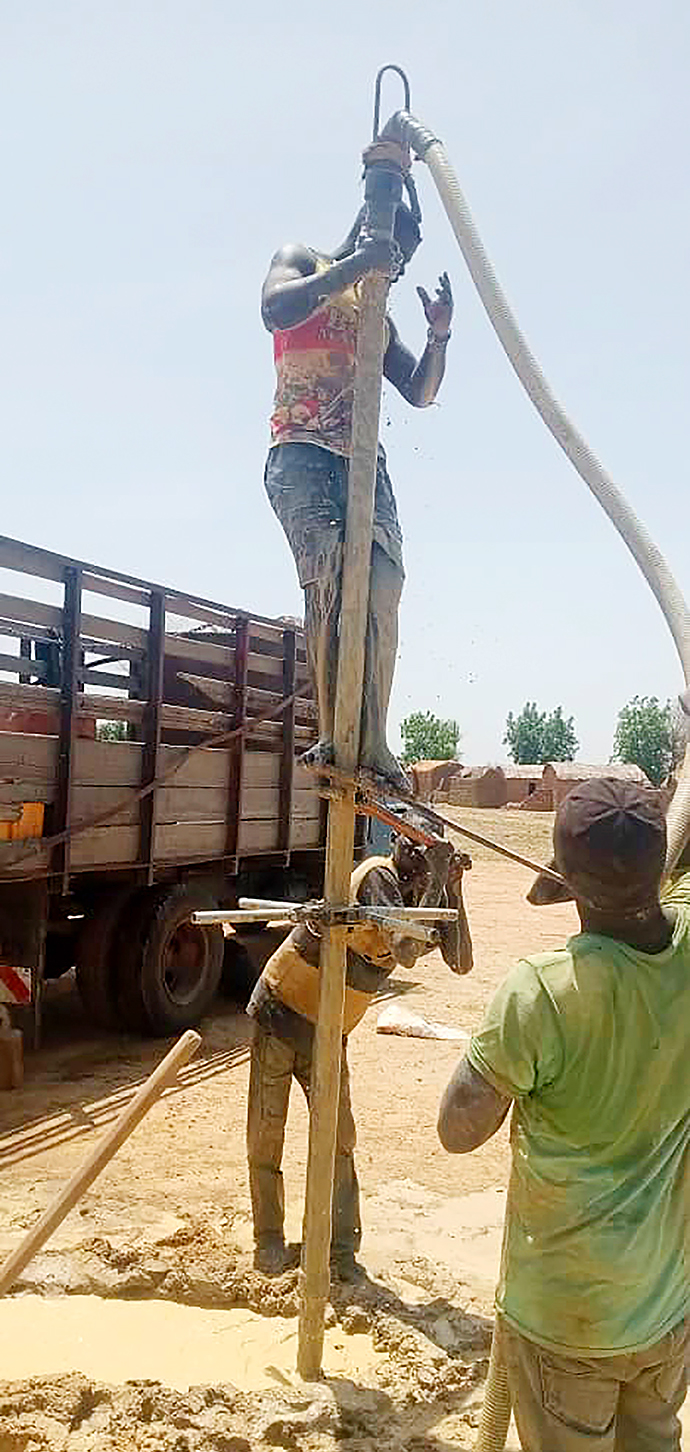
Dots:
pixel 380 886
pixel 294 259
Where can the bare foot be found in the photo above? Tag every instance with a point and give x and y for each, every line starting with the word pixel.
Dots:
pixel 320 754
pixel 388 775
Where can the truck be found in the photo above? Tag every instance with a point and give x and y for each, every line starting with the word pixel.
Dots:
pixel 149 744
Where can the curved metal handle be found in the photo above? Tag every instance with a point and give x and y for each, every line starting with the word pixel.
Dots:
pixel 377 94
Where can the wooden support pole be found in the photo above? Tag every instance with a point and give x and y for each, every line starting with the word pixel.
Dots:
pixel 147 1095
pixel 325 1082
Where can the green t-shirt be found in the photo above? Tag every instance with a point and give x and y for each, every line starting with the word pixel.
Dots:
pixel 593 1044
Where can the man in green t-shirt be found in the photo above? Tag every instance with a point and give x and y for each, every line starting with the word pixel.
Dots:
pixel 590 1044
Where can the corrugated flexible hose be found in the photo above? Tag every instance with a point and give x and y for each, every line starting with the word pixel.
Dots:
pixel 495 1417
pixel 639 542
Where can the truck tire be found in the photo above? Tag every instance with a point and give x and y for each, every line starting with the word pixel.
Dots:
pixel 95 961
pixel 168 970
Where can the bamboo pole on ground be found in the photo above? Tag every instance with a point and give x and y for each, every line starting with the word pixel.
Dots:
pixel 325 1084
pixel 145 1097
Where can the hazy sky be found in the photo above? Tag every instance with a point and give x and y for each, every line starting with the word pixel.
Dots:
pixel 156 154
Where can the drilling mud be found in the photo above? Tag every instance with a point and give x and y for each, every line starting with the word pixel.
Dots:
pixel 181 1347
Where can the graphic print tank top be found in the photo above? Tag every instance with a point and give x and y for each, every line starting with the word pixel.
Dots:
pixel 315 374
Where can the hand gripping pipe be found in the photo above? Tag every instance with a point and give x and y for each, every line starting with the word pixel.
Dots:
pixel 642 547
pixel 495 1417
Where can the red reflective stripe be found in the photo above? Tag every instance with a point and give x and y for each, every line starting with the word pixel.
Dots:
pixel 20 990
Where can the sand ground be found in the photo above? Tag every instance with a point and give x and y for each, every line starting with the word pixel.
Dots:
pixel 170 1216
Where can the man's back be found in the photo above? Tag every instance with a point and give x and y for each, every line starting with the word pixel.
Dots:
pixel 592 1043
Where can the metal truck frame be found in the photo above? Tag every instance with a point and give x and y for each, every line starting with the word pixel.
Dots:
pixel 135 834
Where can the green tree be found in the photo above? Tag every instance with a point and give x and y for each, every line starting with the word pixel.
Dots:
pixel 645 737
pixel 559 742
pixel 111 731
pixel 427 738
pixel 535 737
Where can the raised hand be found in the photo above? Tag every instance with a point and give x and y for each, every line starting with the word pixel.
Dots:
pixel 438 311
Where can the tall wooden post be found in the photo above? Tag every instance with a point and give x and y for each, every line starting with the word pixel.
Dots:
pixel 383 190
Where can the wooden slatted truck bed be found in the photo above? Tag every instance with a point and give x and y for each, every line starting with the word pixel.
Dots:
pixel 106 682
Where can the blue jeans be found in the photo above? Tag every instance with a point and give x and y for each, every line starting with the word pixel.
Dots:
pixel 307 488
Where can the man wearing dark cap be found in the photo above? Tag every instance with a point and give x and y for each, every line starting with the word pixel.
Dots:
pixel 591 1046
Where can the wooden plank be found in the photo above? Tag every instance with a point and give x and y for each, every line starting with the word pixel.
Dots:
pixel 263 836
pixel 200 651
pixel 326 1068
pixel 29 560
pixel 109 679
pixel 116 708
pixel 184 842
pixel 203 649
pixel 118 847
pixel 263 804
pixel 181 842
pixel 103 846
pixel 271 664
pixel 258 702
pixel 106 847
pixel 113 632
pixel 110 652
pixel 111 587
pixel 30 612
pixel 197 803
pixel 16 610
pixel 174 804
pixel 18 664
pixel 178 718
pixel 32 760
pixel 118 763
pixel 45 698
pixel 28 754
pixel 262 768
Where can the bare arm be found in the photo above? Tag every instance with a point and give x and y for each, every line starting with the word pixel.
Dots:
pixel 419 382
pixel 381 889
pixel 293 289
pixel 471 1111
pixel 456 939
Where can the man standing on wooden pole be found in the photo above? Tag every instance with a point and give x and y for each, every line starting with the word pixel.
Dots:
pixel 311 305
pixel 383 192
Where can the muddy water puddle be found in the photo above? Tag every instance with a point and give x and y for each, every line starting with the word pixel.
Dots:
pixel 180 1346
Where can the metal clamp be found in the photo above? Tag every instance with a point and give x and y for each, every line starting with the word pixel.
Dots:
pixel 415 923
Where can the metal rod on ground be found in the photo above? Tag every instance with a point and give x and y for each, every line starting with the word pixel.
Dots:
pixel 325 1082
pixel 144 1098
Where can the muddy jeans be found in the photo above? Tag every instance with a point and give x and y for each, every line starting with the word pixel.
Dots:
pixel 307 488
pixel 626 1403
pixel 274 1064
